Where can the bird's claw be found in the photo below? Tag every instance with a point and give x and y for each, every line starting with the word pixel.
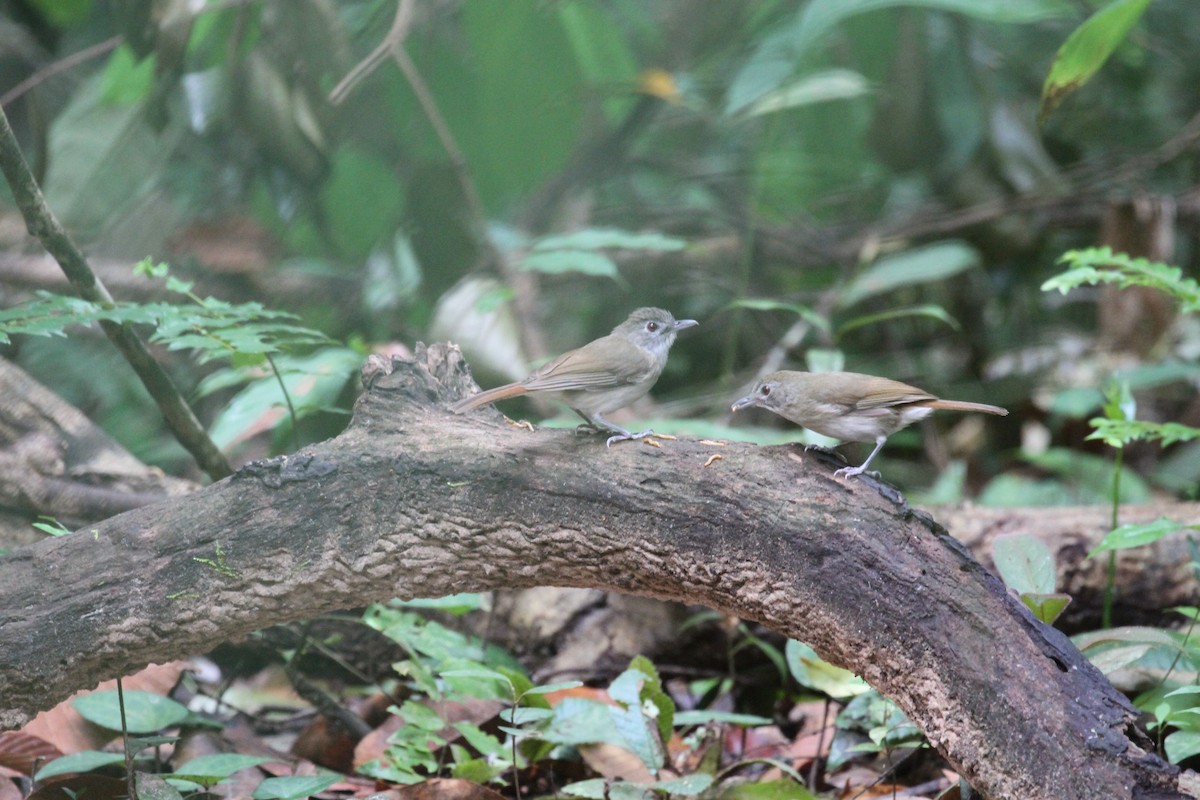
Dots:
pixel 622 437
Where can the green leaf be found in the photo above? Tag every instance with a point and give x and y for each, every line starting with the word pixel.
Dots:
pixel 145 712
pixel 767 304
pixel 704 716
pixel 767 790
pixel 126 79
pixel 154 787
pixel 1101 265
pixel 634 693
pixel 456 604
pixel 362 201
pixel 817 87
pixel 777 55
pixel 1086 50
pixel 556 262
pixel 1138 534
pixel 63 13
pixel 592 789
pixel 217 765
pixel 1181 744
pixel 1046 607
pixel 551 687
pixel 927 310
pixel 1025 563
pixel 485 743
pixel 603 238
pixel 935 262
pixel 293 787
pixel 813 672
pixel 83 761
pixel 687 786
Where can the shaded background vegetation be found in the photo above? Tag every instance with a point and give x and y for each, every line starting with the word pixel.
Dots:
pixel 871 184
pixel 809 168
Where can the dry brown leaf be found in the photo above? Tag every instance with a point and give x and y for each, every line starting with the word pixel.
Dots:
pixel 612 762
pixel 21 753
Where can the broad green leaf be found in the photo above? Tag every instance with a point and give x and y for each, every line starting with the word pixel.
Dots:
pixel 767 790
pixel 1181 744
pixel 362 201
pixel 313 382
pixel 477 672
pixel 1025 563
pixel 777 55
pixel 154 787
pixel 687 786
pixel 825 359
pixel 935 262
pixel 293 787
pixel 63 13
pixel 640 734
pixel 705 716
pixel 105 162
pixel 579 721
pixel 217 765
pixel 552 687
pixel 126 79
pixel 604 238
pixel 818 87
pixel 1137 535
pixel 812 672
pixel 1086 50
pixel 145 712
pixel 555 262
pixel 1127 635
pixel 83 761
pixel 592 789
pixel 482 741
pixel 456 604
pixel 927 310
pixel 767 304
pixel 1046 607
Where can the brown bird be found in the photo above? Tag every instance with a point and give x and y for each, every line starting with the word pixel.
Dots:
pixel 850 406
pixel 602 376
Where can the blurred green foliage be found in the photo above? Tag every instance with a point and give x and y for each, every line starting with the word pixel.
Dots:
pixel 864 177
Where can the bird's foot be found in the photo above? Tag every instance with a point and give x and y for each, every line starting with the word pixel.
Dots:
pixel 587 429
pixel 850 472
pixel 625 436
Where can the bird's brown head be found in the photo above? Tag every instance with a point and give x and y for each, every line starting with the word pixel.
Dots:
pixel 771 392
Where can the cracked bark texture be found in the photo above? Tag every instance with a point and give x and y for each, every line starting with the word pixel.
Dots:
pixel 413 501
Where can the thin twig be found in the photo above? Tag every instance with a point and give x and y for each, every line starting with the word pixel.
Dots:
pixel 62 65
pixel 523 284
pixel 43 225
pixel 398 33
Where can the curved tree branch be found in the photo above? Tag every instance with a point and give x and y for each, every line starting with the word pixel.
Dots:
pixel 414 501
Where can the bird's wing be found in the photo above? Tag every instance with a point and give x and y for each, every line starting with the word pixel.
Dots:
pixel 607 362
pixel 885 392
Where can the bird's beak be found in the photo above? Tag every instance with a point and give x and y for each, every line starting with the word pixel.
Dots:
pixel 680 324
pixel 743 402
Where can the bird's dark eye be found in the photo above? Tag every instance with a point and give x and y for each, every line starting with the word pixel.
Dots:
pixel 652 326
pixel 765 391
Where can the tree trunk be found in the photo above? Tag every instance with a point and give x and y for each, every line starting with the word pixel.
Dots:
pixel 413 501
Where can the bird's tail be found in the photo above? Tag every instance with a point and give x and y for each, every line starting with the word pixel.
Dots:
pixel 490 396
pixel 963 405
